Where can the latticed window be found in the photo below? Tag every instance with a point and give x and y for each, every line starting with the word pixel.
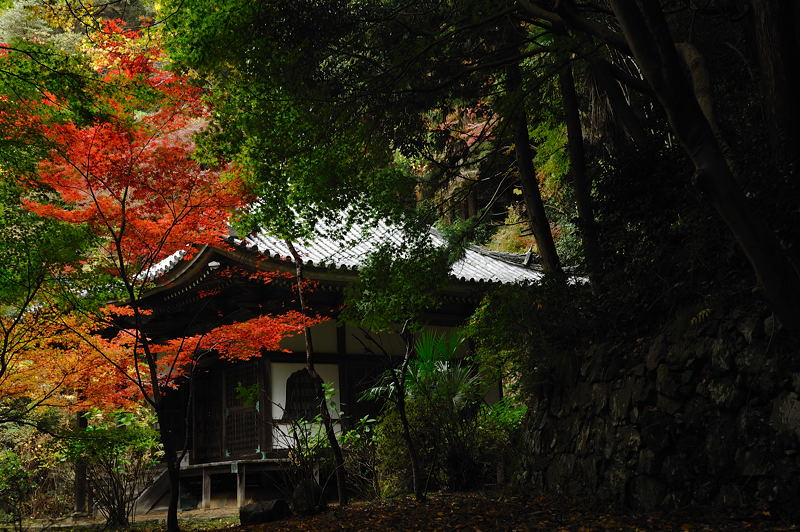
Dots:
pixel 301 393
pixel 242 417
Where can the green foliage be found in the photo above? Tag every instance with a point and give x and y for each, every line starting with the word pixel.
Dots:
pixel 120 449
pixel 450 392
pixel 497 428
pixel 309 444
pixel 528 335
pixel 303 159
pixel 247 395
pixel 359 447
pixel 15 486
pixel 36 253
pixel 457 437
pixel 19 19
pixel 398 283
pixel 34 480
pixel 35 256
pixel 32 247
pixel 394 464
pixel 454 460
pixel 299 172
pixel 508 236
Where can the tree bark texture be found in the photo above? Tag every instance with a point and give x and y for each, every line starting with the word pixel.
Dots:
pixel 173 467
pixel 413 455
pixel 777 34
pixel 400 384
pixel 619 104
pixel 647 33
pixel 577 171
pixel 539 224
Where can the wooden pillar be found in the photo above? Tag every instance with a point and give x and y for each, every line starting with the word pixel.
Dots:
pixel 205 501
pixel 241 480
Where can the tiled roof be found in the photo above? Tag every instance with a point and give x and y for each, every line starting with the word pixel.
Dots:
pixel 350 250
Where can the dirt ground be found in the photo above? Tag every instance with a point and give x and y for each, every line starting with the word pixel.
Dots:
pixel 494 511
pixel 477 511
pixel 208 519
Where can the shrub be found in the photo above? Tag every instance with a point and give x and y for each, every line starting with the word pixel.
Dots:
pixel 360 449
pixel 394 465
pixel 34 479
pixel 496 428
pixel 15 486
pixel 120 450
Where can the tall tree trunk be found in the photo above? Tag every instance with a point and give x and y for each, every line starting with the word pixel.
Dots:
pixel 527 173
pixel 400 384
pixel 165 429
pixel 173 467
pixel 413 454
pixel 577 170
pixel 330 432
pixel 81 483
pixel 777 23
pixel 619 105
pixel 647 33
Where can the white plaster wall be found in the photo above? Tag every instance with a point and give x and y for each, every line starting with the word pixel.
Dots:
pixel 280 372
pixel 282 437
pixel 356 342
pixel 323 335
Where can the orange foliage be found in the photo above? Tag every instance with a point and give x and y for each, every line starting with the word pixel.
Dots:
pixel 236 341
pixel 55 365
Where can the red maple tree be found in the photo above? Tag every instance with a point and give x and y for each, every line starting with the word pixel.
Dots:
pixel 129 177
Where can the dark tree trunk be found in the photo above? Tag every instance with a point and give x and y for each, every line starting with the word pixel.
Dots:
pixel 173 467
pixel 619 105
pixel 81 482
pixel 777 23
pixel 577 170
pixel 330 433
pixel 539 224
pixel 648 35
pixel 400 385
pixel 413 455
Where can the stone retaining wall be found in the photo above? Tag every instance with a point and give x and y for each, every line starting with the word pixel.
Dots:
pixel 700 414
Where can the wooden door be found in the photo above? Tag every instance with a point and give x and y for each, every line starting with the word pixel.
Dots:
pixel 207 438
pixel 244 406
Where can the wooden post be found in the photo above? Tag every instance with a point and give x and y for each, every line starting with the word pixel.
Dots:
pixel 205 501
pixel 241 480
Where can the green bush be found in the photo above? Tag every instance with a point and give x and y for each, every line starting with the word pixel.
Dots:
pixel 120 450
pixel 360 450
pixel 497 426
pixel 34 479
pixel 16 484
pixel 450 459
pixel 394 465
pixel 457 437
